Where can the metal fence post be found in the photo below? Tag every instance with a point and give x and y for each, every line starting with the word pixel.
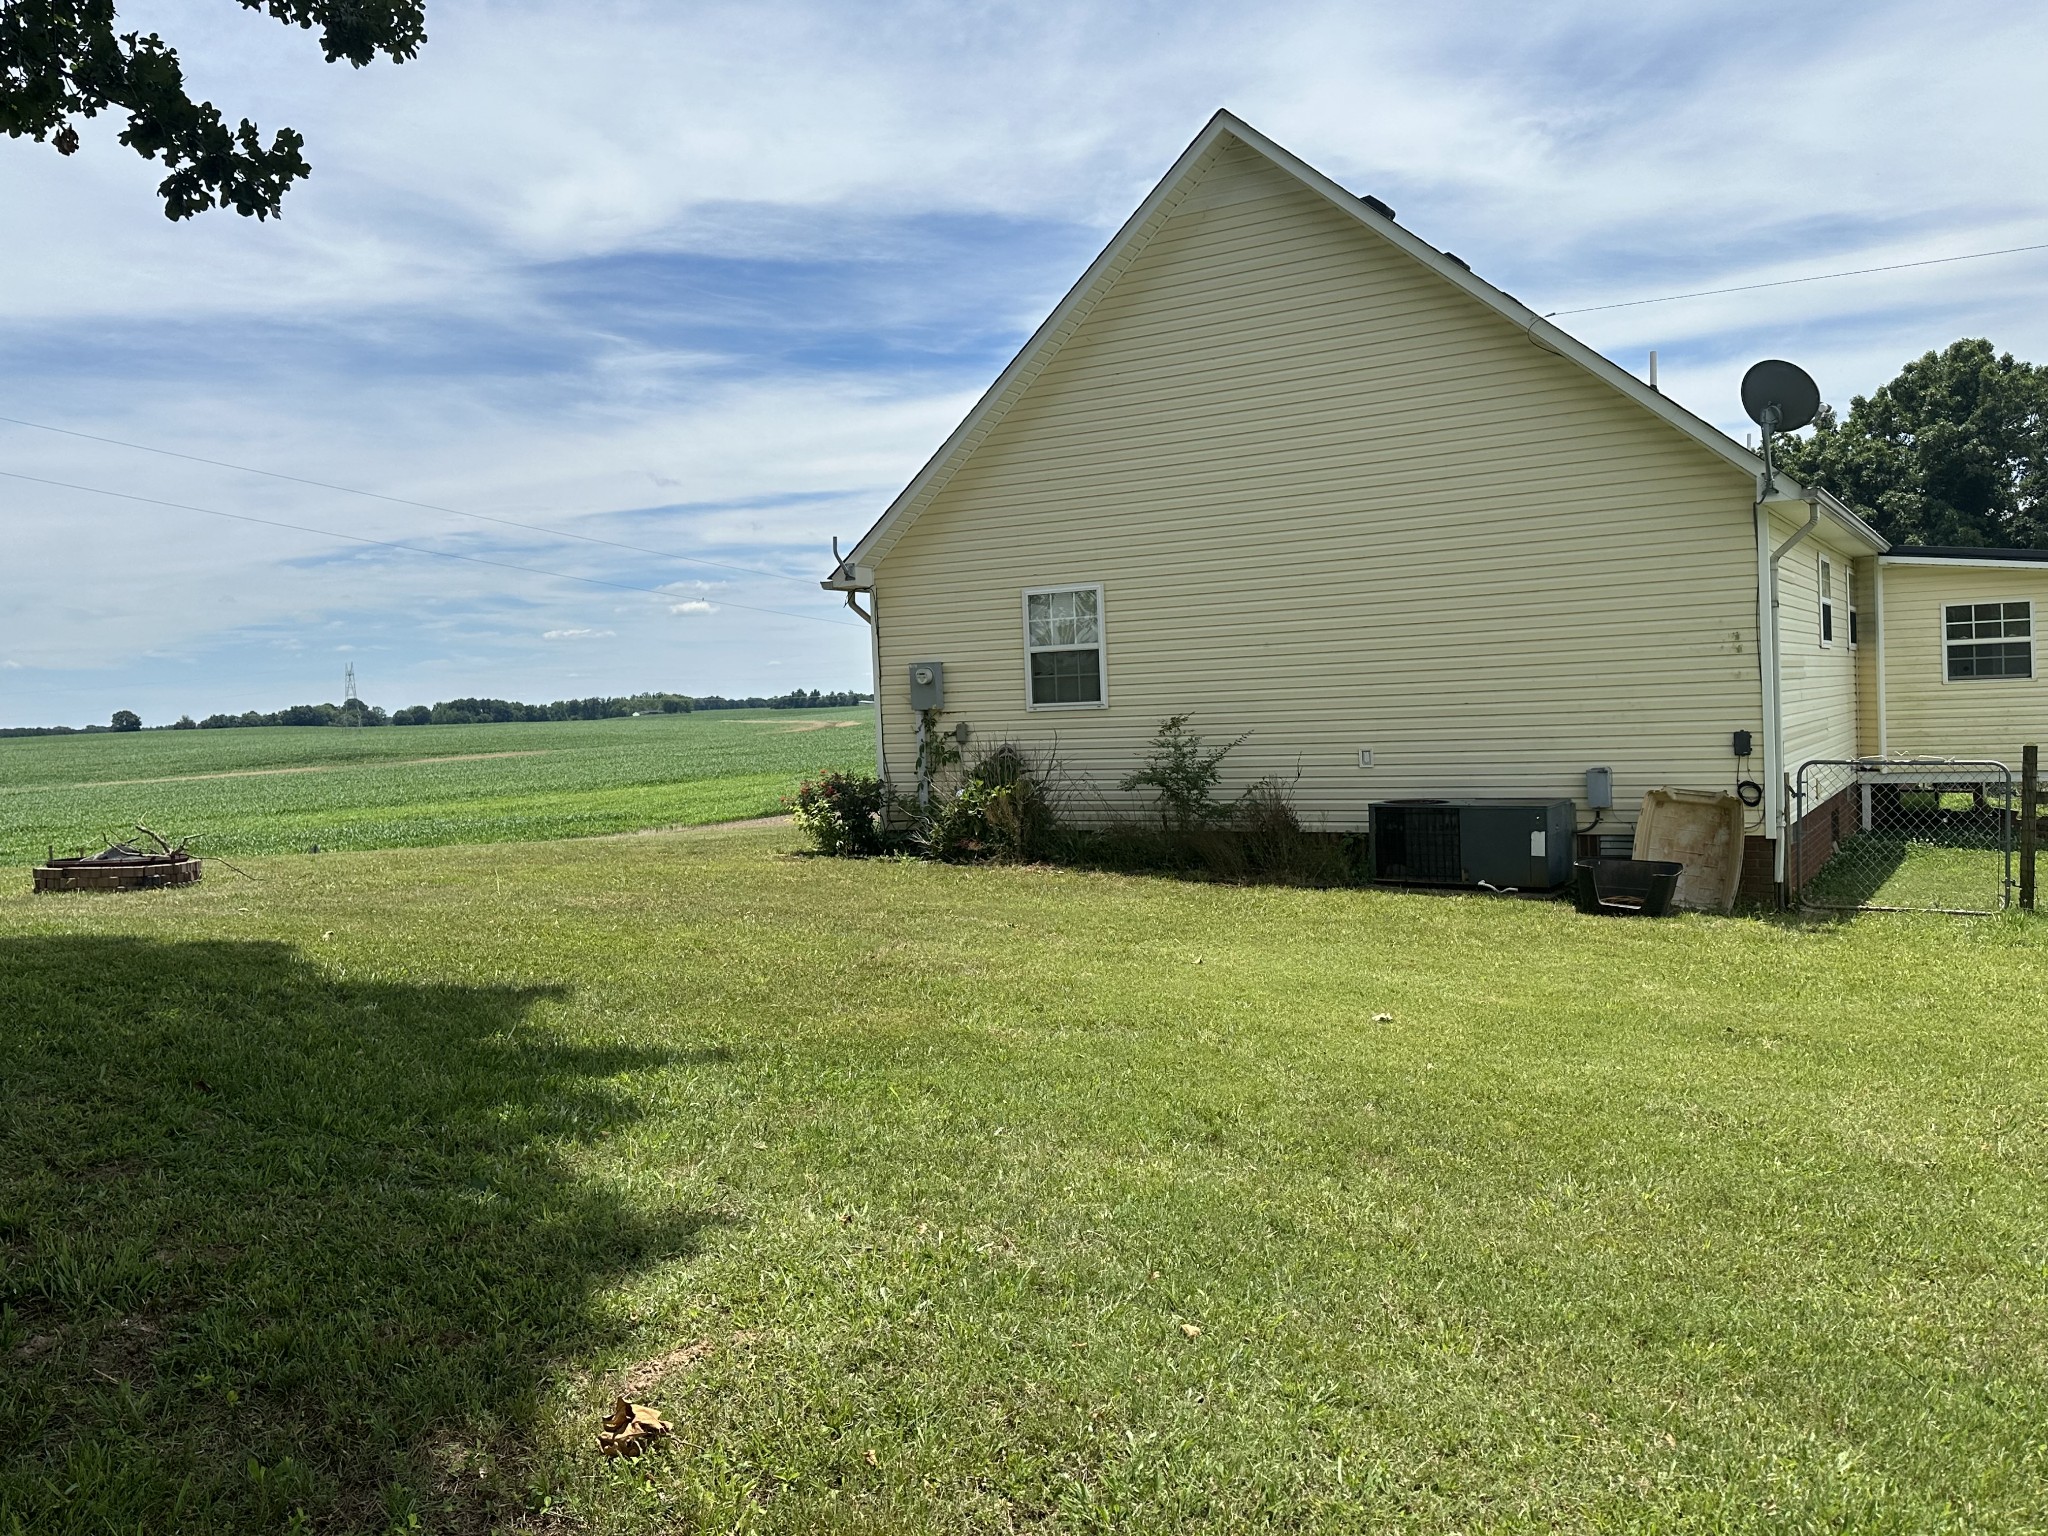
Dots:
pixel 2030 825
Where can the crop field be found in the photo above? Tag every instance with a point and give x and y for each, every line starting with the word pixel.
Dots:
pixel 981 1199
pixel 286 789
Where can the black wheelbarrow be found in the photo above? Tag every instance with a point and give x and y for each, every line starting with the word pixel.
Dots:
pixel 1626 887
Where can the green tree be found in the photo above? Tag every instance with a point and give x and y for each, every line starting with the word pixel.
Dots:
pixel 62 60
pixel 1952 451
pixel 126 720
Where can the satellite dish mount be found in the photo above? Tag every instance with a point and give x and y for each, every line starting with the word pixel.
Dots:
pixel 1779 397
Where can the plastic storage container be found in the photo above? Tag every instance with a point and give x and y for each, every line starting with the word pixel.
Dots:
pixel 1626 887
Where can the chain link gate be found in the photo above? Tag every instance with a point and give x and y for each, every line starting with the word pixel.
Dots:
pixel 1902 835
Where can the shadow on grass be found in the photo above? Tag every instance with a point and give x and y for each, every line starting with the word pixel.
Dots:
pixel 1959 870
pixel 1855 872
pixel 274 1242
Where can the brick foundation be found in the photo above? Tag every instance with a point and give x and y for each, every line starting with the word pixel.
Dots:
pixel 1820 831
pixel 1759 885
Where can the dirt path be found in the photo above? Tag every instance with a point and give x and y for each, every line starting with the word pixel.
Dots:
pixel 700 826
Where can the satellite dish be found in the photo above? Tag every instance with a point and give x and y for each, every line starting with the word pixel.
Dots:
pixel 1780 396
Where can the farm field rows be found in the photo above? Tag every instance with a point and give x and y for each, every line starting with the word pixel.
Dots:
pixel 934 1198
pixel 284 788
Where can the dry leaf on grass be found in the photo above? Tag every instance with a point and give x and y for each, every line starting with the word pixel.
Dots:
pixel 630 1428
pixel 1191 1330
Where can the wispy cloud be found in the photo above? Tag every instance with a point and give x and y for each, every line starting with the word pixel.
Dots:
pixel 716 279
pixel 578 634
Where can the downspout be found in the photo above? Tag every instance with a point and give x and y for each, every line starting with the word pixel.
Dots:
pixel 1774 740
pixel 1883 734
pixel 875 671
pixel 874 654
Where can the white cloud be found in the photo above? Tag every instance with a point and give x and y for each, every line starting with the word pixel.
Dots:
pixel 481 299
pixel 578 634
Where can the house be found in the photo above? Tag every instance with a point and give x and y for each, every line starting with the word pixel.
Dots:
pixel 1953 673
pixel 1277 462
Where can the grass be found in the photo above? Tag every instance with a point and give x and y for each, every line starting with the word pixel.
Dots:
pixel 286 789
pixel 1959 873
pixel 937 1198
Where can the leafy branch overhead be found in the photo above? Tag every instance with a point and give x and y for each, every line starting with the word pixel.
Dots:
pixel 64 60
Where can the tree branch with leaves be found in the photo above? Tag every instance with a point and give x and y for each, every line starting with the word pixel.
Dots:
pixel 64 61
pixel 1953 451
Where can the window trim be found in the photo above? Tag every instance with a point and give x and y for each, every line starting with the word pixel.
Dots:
pixel 1101 646
pixel 1824 598
pixel 1941 630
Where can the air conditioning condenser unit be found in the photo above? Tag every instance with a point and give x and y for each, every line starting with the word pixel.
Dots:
pixel 1526 844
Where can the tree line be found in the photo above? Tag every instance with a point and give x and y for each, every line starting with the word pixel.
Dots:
pixel 354 712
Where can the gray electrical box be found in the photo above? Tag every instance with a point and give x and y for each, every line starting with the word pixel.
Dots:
pixel 1526 844
pixel 1600 789
pixel 927 685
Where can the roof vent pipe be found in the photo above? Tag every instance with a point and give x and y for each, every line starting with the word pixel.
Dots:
pixel 1377 206
pixel 1653 367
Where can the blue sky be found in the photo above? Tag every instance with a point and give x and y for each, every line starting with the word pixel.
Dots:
pixel 714 281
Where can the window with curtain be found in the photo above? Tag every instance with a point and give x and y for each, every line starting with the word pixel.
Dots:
pixel 1063 647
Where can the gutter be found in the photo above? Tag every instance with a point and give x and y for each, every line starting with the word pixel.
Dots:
pixel 1768 560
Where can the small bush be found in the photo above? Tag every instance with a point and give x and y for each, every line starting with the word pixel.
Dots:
pixel 843 814
pixel 1003 809
pixel 1259 840
pixel 1184 775
pixel 1274 845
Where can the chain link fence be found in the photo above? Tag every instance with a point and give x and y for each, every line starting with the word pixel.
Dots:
pixel 1902 835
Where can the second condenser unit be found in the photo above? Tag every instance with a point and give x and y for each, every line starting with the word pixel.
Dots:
pixel 1526 844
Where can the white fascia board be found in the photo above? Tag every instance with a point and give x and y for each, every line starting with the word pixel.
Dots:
pixel 1835 513
pixel 995 402
pixel 1507 306
pixel 1987 564
pixel 1037 352
pixel 848 577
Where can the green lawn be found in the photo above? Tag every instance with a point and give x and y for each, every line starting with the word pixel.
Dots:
pixel 1962 873
pixel 936 1198
pixel 285 789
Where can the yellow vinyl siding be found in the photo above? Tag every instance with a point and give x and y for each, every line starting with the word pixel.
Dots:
pixel 1338 503
pixel 1928 716
pixel 1819 681
pixel 1869 742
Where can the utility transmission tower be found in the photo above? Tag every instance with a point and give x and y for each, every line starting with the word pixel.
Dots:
pixel 351 706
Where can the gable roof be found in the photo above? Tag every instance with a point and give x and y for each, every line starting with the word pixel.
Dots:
pixel 1137 232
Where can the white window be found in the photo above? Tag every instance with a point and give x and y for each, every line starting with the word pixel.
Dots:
pixel 1855 629
pixel 1988 640
pixel 1063 662
pixel 1827 601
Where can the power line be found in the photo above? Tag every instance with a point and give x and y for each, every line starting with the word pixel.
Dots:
pixel 413 549
pixel 1788 282
pixel 401 501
